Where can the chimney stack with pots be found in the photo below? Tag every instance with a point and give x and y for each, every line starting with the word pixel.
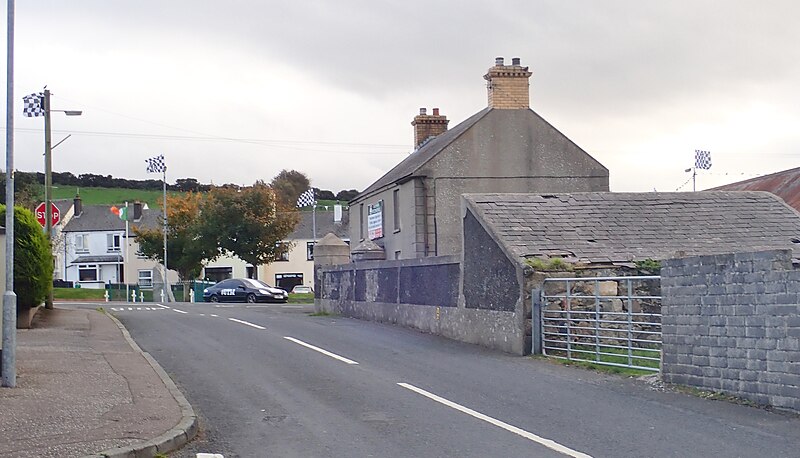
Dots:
pixel 508 85
pixel 77 206
pixel 427 126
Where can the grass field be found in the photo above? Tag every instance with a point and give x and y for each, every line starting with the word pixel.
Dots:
pixel 78 293
pixel 110 196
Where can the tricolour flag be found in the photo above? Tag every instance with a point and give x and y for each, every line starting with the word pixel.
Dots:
pixel 306 199
pixel 702 159
pixel 123 213
pixel 156 164
pixel 33 105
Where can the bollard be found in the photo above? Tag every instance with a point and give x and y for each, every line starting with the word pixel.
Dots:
pixel 106 295
pixel 141 296
pixel 191 295
pixel 133 296
pixel 162 295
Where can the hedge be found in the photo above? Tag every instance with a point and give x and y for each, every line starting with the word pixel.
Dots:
pixel 33 260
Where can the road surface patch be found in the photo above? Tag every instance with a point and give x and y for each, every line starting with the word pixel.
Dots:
pixel 247 323
pixel 527 435
pixel 323 351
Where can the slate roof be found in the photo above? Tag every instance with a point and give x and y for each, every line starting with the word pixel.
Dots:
pixel 605 227
pixel 785 184
pixel 325 224
pixel 423 154
pixel 100 218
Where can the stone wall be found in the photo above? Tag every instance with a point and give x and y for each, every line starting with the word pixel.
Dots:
pixel 731 323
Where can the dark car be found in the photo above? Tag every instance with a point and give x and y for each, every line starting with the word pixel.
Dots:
pixel 244 290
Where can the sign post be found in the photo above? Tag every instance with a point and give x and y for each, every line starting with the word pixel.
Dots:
pixel 41 214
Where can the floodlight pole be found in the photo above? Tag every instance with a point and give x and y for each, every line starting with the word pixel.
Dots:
pixel 9 353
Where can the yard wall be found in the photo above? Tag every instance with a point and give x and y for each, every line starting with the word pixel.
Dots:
pixel 731 323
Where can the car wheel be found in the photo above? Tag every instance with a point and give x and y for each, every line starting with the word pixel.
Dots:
pixel 214 298
pixel 251 298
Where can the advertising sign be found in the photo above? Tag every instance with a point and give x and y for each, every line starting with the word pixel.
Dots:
pixel 375 220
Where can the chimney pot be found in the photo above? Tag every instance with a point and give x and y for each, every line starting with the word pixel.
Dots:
pixel 515 61
pixel 77 205
pixel 423 111
pixel 498 60
pixel 436 112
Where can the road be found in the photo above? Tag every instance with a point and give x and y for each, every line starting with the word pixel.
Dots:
pixel 270 380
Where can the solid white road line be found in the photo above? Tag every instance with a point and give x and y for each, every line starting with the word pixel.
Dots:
pixel 215 316
pixel 248 323
pixel 324 352
pixel 162 306
pixel 179 311
pixel 530 436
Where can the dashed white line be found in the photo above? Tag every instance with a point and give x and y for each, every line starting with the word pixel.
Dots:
pixel 215 316
pixel 527 435
pixel 179 311
pixel 247 323
pixel 162 306
pixel 324 352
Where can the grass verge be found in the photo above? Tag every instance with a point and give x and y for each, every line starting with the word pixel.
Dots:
pixel 78 294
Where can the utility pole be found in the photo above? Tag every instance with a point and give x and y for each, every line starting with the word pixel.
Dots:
pixel 48 187
pixel 9 354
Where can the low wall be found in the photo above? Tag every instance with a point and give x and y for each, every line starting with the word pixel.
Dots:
pixel 731 323
pixel 422 293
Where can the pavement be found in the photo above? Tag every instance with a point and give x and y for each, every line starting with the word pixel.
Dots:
pixel 85 389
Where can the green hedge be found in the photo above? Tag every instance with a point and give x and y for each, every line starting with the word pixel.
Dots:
pixel 33 260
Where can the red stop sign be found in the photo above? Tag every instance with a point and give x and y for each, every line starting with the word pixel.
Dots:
pixel 40 214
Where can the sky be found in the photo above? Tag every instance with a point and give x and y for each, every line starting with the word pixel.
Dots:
pixel 236 91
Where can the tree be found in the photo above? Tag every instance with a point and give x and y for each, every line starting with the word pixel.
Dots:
pixel 250 223
pixel 27 191
pixel 186 248
pixel 288 185
pixel 346 195
pixel 324 194
pixel 33 260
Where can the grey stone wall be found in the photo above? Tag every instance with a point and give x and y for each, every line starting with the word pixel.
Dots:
pixel 731 323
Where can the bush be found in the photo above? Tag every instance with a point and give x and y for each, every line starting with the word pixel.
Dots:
pixel 33 260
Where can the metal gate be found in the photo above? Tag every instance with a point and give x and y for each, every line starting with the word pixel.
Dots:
pixel 613 321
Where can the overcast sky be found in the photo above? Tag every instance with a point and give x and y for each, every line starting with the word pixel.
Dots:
pixel 235 91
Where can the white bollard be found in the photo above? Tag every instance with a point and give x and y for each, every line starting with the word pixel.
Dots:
pixel 162 295
pixel 106 295
pixel 191 295
pixel 133 296
pixel 141 296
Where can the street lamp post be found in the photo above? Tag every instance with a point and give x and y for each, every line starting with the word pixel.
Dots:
pixel 48 177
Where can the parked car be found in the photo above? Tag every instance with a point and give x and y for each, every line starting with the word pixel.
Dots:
pixel 302 289
pixel 244 290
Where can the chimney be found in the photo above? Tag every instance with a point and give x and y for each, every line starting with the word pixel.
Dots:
pixel 137 211
pixel 427 126
pixel 508 85
pixel 77 206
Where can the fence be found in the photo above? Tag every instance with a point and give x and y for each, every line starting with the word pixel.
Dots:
pixel 182 291
pixel 613 321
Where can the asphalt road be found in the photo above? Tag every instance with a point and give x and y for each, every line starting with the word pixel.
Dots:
pixel 270 380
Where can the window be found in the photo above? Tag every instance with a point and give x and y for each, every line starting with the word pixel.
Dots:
pixel 217 274
pixel 310 251
pixel 396 209
pixel 146 278
pixel 283 256
pixel 81 243
pixel 88 272
pixel 113 243
pixel 249 271
pixel 361 221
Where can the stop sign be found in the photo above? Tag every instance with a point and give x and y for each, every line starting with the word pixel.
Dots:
pixel 40 214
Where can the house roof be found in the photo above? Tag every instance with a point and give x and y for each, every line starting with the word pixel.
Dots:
pixel 325 224
pixel 604 227
pixel 100 218
pixel 101 258
pixel 423 154
pixel 785 184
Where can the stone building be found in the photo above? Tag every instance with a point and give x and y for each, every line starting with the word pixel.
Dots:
pixel 414 210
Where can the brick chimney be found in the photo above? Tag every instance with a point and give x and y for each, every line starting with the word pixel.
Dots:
pixel 427 126
pixel 508 85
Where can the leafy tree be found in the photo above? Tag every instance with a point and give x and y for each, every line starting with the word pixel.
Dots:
pixel 27 191
pixel 33 260
pixel 186 248
pixel 249 222
pixel 324 194
pixel 288 185
pixel 346 195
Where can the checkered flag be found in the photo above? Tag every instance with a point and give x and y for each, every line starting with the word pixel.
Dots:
pixel 156 164
pixel 702 159
pixel 33 105
pixel 306 199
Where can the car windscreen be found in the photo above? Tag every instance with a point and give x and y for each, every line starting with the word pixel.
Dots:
pixel 258 284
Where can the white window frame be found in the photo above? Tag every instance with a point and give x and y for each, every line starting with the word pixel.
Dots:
pixel 145 281
pixel 86 268
pixel 81 243
pixel 285 256
pixel 113 243
pixel 310 251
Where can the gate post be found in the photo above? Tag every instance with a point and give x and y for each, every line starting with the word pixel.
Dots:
pixel 536 321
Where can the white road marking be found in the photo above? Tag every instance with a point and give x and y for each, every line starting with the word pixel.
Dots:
pixel 138 308
pixel 247 323
pixel 130 308
pixel 224 306
pixel 291 306
pixel 324 352
pixel 179 311
pixel 162 306
pixel 215 316
pixel 255 306
pixel 209 455
pixel 202 314
pixel 527 435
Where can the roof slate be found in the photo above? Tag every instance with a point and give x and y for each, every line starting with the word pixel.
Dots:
pixel 100 218
pixel 604 227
